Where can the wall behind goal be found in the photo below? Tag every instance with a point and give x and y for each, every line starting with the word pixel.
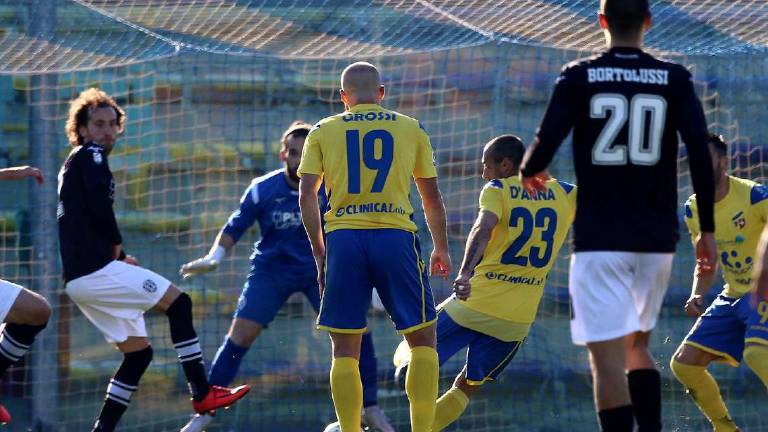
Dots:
pixel 209 86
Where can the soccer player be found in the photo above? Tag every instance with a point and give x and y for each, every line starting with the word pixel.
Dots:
pixel 732 327
pixel 510 250
pixel 23 313
pixel 281 265
pixel 108 286
pixel 367 155
pixel 625 108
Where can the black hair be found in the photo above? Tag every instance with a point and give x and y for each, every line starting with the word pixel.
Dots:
pixel 625 17
pixel 506 147
pixel 718 142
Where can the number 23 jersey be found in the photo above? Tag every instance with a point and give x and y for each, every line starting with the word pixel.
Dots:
pixel 367 156
pixel 509 280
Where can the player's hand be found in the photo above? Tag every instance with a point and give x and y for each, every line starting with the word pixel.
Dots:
pixel 440 263
pixel 706 253
pixel 130 259
pixel 199 266
pixel 693 306
pixel 461 287
pixel 21 172
pixel 535 183
pixel 320 264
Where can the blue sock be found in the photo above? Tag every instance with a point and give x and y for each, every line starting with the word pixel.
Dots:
pixel 226 363
pixel 368 371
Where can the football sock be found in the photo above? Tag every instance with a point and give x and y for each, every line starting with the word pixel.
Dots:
pixel 756 357
pixel 449 407
pixel 368 368
pixel 421 387
pixel 645 392
pixel 347 392
pixel 15 342
pixel 121 388
pixel 226 363
pixel 619 419
pixel 705 392
pixel 187 346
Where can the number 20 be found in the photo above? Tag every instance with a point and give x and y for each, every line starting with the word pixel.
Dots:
pixel 381 165
pixel 605 152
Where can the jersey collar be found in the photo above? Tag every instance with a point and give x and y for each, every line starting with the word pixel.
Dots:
pixel 364 107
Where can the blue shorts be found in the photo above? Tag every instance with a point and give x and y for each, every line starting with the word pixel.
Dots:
pixel 267 288
pixel 486 357
pixel 728 324
pixel 388 259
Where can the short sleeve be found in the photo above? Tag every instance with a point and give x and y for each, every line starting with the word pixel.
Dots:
pixel 312 155
pixel 491 198
pixel 425 156
pixel 758 197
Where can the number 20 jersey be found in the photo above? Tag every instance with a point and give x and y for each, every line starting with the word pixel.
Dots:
pixel 509 280
pixel 625 108
pixel 367 156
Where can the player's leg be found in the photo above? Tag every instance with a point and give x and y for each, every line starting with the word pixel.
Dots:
pixel 487 357
pixel 177 306
pixel 756 337
pixel 25 315
pixel 603 313
pixel 343 311
pixel 263 295
pixel 689 365
pixel 651 280
pixel 402 283
pixel 137 355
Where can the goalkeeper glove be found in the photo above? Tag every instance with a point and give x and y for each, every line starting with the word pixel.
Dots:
pixel 202 265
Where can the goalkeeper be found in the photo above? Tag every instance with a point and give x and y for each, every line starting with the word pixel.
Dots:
pixel 281 264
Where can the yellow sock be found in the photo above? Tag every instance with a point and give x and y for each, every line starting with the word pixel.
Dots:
pixel 705 393
pixel 756 357
pixel 347 391
pixel 421 387
pixel 450 406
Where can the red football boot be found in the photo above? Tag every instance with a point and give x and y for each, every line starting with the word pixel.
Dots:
pixel 220 397
pixel 5 416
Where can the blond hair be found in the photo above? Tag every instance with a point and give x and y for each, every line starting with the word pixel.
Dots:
pixel 80 110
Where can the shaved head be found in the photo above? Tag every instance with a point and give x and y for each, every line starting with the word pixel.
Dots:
pixel 361 83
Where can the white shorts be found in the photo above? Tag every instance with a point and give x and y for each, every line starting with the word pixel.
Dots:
pixel 8 293
pixel 115 297
pixel 614 294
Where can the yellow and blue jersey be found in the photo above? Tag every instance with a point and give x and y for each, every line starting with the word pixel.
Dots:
pixel 508 283
pixel 739 218
pixel 367 156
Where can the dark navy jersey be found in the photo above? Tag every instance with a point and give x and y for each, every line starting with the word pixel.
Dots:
pixel 626 109
pixel 274 204
pixel 88 230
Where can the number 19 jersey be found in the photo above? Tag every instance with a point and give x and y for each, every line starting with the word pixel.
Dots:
pixel 367 156
pixel 509 280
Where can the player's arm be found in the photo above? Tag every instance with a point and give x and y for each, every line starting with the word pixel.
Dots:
pixel 557 123
pixel 692 126
pixel 237 224
pixel 478 239
pixel 20 172
pixel 310 216
pixel 703 276
pixel 434 213
pixel 99 183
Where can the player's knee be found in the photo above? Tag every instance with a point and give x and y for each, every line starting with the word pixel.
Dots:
pixel 245 335
pixel 756 357
pixel 40 312
pixel 181 307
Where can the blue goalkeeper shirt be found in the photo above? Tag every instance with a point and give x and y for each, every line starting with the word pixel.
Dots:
pixel 274 204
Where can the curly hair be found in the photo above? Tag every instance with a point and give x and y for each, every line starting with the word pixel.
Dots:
pixel 81 108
